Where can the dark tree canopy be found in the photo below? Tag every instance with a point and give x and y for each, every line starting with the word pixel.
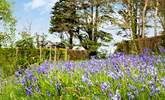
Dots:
pixel 64 18
pixel 81 20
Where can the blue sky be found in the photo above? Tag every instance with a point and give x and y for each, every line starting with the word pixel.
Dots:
pixel 34 12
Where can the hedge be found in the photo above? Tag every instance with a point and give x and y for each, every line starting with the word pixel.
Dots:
pixel 15 58
pixel 138 45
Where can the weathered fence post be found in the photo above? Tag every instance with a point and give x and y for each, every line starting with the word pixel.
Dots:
pixel 66 54
pixel 16 55
pixel 40 53
pixel 16 52
pixel 50 55
pixel 55 54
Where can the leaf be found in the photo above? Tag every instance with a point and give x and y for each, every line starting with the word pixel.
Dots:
pixel 72 90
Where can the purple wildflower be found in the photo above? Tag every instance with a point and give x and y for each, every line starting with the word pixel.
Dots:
pixel 51 66
pixel 29 90
pixel 29 74
pixel 23 81
pixel 48 92
pixel 157 90
pixel 132 87
pixel 68 65
pixel 117 96
pixel 128 72
pixel 143 88
pixel 39 70
pixel 163 82
pixel 110 94
pixel 38 90
pixel 103 86
pixel 113 75
pixel 90 83
pixel 35 79
pixel 84 78
pixel 129 95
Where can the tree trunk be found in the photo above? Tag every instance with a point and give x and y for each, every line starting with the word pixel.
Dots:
pixel 143 18
pixel 155 18
pixel 71 39
pixel 96 20
pixel 135 11
pixel 92 23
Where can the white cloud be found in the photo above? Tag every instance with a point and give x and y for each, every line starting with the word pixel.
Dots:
pixel 42 4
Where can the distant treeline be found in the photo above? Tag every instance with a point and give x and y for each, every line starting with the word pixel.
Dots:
pixel 138 45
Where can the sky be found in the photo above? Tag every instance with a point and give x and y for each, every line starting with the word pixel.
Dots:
pixel 35 13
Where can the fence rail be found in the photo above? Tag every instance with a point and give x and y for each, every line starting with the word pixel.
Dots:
pixel 46 53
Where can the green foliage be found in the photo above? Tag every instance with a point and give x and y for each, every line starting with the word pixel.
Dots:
pixel 73 17
pixel 64 18
pixel 25 43
pixel 161 13
pixel 7 62
pixel 8 23
pixel 90 45
pixel 5 12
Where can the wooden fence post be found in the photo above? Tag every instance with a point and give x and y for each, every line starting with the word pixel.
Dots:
pixel 16 55
pixel 50 55
pixel 66 54
pixel 40 53
pixel 55 54
pixel 16 52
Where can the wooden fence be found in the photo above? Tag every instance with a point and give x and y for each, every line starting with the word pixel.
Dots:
pixel 53 54
pixel 12 59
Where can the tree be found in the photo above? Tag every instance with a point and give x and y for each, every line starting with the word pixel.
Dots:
pixel 143 17
pixel 82 20
pixel 64 18
pixel 161 13
pixel 7 20
pixel 26 41
pixel 129 12
pixel 90 19
pixel 5 11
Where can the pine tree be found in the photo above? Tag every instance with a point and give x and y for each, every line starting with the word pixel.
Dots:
pixel 80 19
pixel 64 18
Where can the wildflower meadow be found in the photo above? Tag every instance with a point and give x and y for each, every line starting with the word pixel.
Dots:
pixel 119 77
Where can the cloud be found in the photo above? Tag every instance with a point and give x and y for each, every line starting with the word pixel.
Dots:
pixel 45 5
